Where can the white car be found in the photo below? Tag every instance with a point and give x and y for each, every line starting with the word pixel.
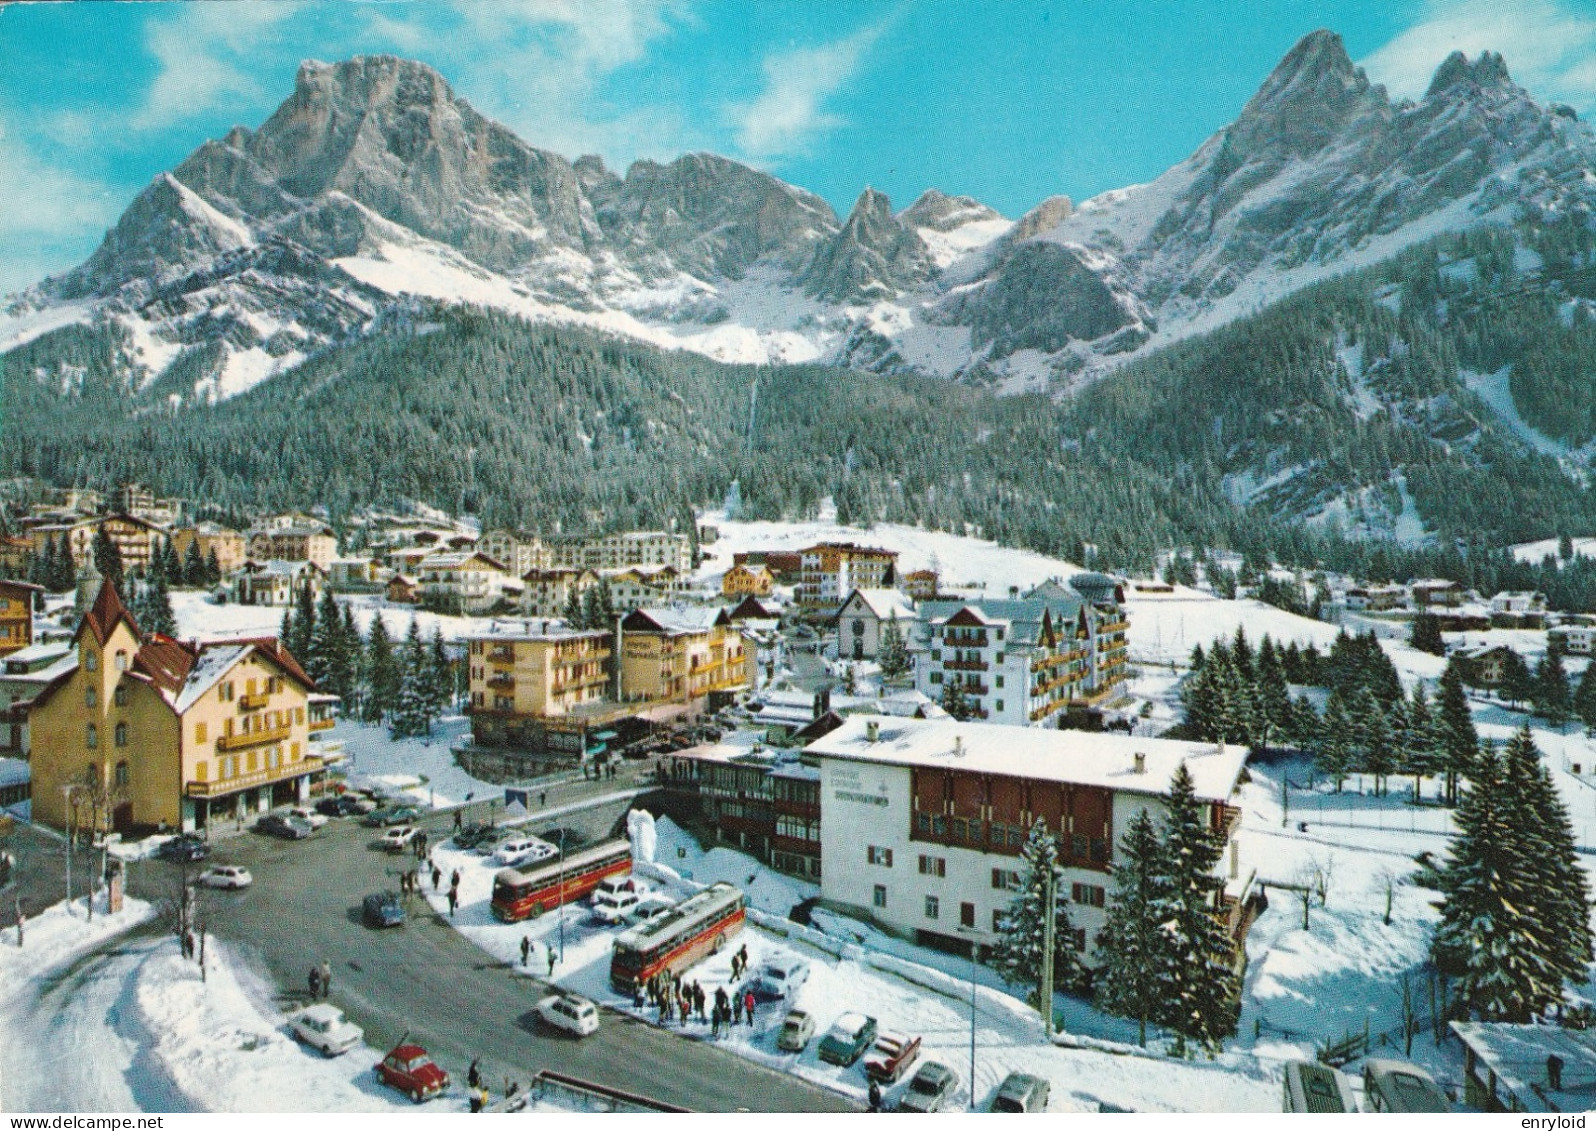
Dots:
pixel 567 1011
pixel 649 908
pixel 399 837
pixel 780 978
pixel 325 1027
pixel 305 813
pixel 226 876
pixel 524 850
pixel 612 907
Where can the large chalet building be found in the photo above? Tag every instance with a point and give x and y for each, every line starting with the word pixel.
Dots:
pixel 309 542
pixel 150 732
pixel 16 615
pixel 682 655
pixel 832 570
pixel 1027 661
pixel 628 548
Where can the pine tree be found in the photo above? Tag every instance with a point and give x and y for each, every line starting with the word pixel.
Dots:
pixel 285 627
pixel 1131 982
pixel 157 568
pixel 893 655
pixel 1460 743
pixel 355 653
pixel 413 710
pixel 383 673
pixel 171 563
pixel 440 671
pixel 1334 756
pixel 575 613
pixel 107 558
pixel 1380 744
pixel 1201 992
pixel 193 566
pixel 1273 695
pixel 213 569
pixel 156 613
pixel 1552 699
pixel 1305 729
pixel 1426 635
pixel 1486 940
pixel 1518 685
pixel 1585 696
pixel 1019 951
pixel 955 702
pixel 1418 740
pixel 304 623
pixel 324 647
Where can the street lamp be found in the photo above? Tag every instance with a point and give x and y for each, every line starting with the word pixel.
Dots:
pixel 562 894
pixel 975 959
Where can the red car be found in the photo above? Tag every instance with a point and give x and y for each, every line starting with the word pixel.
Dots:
pixel 891 1057
pixel 411 1070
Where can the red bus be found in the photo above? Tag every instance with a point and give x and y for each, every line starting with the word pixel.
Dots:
pixel 527 894
pixel 697 926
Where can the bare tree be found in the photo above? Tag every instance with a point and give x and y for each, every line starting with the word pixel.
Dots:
pixel 1410 1012
pixel 1386 881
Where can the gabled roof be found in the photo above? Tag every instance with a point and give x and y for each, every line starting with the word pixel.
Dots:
pixel 886 604
pixel 166 662
pixel 104 614
pixel 1025 617
pixel 675 621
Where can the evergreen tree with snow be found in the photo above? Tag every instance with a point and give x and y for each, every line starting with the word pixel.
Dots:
pixel 1273 695
pixel 575 615
pixel 304 625
pixel 325 640
pixel 285 627
pixel 955 702
pixel 107 558
pixel 1380 742
pixel 1584 704
pixel 171 563
pixel 1018 955
pixel 893 655
pixel 1460 743
pixel 355 652
pixel 1426 634
pixel 413 709
pixel 1132 981
pixel 1487 940
pixel 1518 685
pixel 1334 756
pixel 1552 699
pixel 193 566
pixel 1202 994
pixel 155 614
pixel 440 675
pixel 1418 744
pixel 383 673
pixel 1305 727
pixel 213 569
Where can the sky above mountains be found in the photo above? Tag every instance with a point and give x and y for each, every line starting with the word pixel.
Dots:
pixel 1007 102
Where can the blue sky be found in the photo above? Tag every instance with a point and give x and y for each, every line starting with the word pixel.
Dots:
pixel 1009 101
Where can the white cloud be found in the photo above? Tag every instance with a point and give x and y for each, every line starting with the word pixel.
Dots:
pixel 48 216
pixel 204 55
pixel 1549 46
pixel 791 110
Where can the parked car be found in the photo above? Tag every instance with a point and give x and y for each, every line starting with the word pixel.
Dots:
pixel 567 1011
pixel 187 847
pixel 1021 1092
pixel 325 1027
pixel 398 838
pixel 929 1089
pixel 411 1070
pixel 779 979
pixel 343 805
pixel 383 909
pixel 891 1057
pixel 473 833
pixel 305 813
pixel 613 907
pixel 649 908
pixel 390 815
pixel 274 824
pixel 227 876
pixel 847 1039
pixel 796 1030
pixel 523 850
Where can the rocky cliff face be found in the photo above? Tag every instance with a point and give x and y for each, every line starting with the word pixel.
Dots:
pixel 374 177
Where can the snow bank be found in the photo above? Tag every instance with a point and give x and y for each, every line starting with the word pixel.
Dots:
pixel 60 934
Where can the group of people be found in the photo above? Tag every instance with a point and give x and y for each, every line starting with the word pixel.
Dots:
pixel 600 771
pixel 526 953
pixel 478 1085
pixel 678 1000
pixel 320 980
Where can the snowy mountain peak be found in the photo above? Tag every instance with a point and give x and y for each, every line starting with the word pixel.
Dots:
pixel 1488 72
pixel 873 256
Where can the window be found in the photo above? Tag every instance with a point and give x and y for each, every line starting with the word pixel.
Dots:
pixel 998 705
pixel 299 715
pixel 881 856
pixel 922 822
pixel 120 696
pixel 91 737
pixel 939 826
pixel 961 829
pixel 998 659
pixel 933 907
pixel 998 683
pixel 121 661
pixel 1088 895
pixel 933 866
pixel 936 653
pixel 966 914
pixel 997 834
pixel 1003 879
pixel 199 732
pixel 1000 634
pixel 1016 837
pixel 858 628
pixel 1099 850
pixel 1078 846
pixel 936 677
pixel 91 697
pixel 225 692
pixel 121 734
pixel 91 661
pixel 878 896
pixel 123 774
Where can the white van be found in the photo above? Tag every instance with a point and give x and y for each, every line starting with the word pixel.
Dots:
pixel 524 850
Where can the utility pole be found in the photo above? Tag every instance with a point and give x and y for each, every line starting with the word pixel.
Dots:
pixel 975 958
pixel 1045 1004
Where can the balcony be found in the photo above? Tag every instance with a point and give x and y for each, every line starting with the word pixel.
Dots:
pixel 955 639
pixel 975 688
pixel 965 665
pixel 502 682
pixel 253 738
pixel 251 702
pixel 306 765
pixel 501 655
pixel 322 724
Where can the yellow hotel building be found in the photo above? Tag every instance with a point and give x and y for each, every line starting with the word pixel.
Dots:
pixel 681 655
pixel 168 733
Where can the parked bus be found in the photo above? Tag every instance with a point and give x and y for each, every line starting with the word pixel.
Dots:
pixel 697 926
pixel 1317 1088
pixel 1395 1085
pixel 529 892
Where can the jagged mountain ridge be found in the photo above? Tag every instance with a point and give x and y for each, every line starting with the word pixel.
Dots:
pixel 376 170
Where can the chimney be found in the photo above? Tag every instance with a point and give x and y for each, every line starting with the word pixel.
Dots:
pixel 1141 763
pixel 958 746
pixel 872 731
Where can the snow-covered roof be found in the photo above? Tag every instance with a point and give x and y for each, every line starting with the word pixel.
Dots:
pixel 676 620
pixel 14 771
pixel 1517 1054
pixel 533 630
pixel 210 665
pixel 43 653
pixel 1072 756
pixel 886 604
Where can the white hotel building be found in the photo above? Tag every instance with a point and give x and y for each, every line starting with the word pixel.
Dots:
pixel 923 820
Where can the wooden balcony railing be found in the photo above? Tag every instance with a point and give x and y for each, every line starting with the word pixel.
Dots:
pixel 251 702
pixel 965 665
pixel 253 738
pixel 308 764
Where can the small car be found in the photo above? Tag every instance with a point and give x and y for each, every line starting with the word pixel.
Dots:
pixel 390 815
pixel 398 838
pixel 1021 1092
pixel 891 1056
pixel 187 847
pixel 796 1030
pixel 847 1039
pixel 779 979
pixel 649 908
pixel 383 909
pixel 325 1027
pixel 567 1011
pixel 523 850
pixel 344 805
pixel 472 834
pixel 230 876
pixel 409 1069
pixel 613 907
pixel 929 1089
pixel 305 813
pixel 274 824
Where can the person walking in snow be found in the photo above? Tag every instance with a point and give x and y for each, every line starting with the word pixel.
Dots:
pixel 436 876
pixel 454 900
pixel 551 960
pixel 698 1001
pixel 326 978
pixel 748 1006
pixel 315 982
pixel 454 878
pixel 526 949
pixel 457 820
pixel 474 1074
pixel 737 1010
